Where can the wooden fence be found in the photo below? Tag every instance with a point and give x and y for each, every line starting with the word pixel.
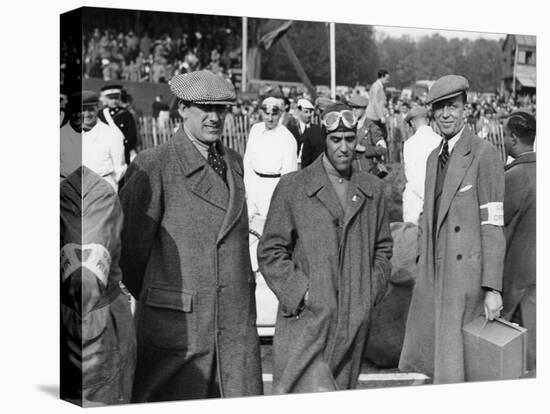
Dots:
pixel 236 129
pixel 235 132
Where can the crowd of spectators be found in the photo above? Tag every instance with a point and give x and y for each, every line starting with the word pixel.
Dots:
pixel 113 55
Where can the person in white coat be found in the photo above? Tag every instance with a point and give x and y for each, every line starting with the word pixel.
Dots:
pixel 86 140
pixel 271 152
pixel 415 155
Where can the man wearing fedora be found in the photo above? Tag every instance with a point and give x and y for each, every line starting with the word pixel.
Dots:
pixel 462 241
pixel 185 256
pixel 415 155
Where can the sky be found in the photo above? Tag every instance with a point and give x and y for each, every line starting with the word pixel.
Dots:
pixel 416 33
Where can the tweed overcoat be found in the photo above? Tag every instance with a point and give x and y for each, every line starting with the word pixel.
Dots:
pixel 520 265
pixel 448 291
pixel 342 263
pixel 185 257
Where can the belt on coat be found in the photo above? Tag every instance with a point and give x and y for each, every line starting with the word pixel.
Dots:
pixel 267 175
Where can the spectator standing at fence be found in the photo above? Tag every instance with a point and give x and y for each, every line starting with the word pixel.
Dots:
pixel 370 147
pixel 270 153
pixel 305 114
pixel 462 241
pixel 85 140
pixel 313 144
pixel 376 110
pixel 325 253
pixel 415 155
pixel 520 210
pixel 115 115
pixel 185 257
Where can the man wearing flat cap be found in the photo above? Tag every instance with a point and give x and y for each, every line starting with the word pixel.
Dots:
pixel 462 243
pixel 270 153
pixel 325 254
pixel 185 256
pixel 370 147
pixel 116 115
pixel 304 124
pixel 415 155
pixel 85 140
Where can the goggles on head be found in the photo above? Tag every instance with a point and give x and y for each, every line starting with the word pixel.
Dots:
pixel 332 120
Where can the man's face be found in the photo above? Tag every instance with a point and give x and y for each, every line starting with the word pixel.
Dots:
pixel 340 149
pixel 449 115
pixel 271 116
pixel 204 122
pixel 508 139
pixel 89 117
pixel 112 101
pixel 305 115
pixel 385 79
pixel 358 112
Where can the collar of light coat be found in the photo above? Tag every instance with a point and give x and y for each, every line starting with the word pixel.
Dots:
pixel 191 159
pixel 317 178
pixel 522 159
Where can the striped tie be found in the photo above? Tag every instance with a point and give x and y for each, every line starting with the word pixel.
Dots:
pixel 216 161
pixel 444 156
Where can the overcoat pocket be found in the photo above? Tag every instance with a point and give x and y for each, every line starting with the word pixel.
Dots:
pixel 167 320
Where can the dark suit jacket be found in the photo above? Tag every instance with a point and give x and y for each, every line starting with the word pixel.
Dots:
pixel 520 211
pixel 313 144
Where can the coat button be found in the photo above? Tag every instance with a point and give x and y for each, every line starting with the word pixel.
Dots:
pixel 459 257
pixel 457 229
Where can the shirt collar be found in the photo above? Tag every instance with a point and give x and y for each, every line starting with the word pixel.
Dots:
pixel 452 141
pixel 331 171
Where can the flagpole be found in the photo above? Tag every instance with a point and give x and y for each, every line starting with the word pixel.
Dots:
pixel 332 62
pixel 244 53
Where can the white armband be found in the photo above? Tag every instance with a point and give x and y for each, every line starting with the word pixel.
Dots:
pixel 382 144
pixel 492 213
pixel 94 257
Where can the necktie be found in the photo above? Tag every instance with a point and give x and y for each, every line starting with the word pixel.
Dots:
pixel 444 156
pixel 216 161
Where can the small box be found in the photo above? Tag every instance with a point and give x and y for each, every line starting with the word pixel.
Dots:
pixel 494 350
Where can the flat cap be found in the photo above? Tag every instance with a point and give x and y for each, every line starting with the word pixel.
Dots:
pixel 447 86
pixel 322 103
pixel 203 87
pixel 84 98
pixel 415 112
pixel 358 101
pixel 111 89
pixel 304 104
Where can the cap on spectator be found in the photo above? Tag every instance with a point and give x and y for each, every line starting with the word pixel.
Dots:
pixel 416 112
pixel 203 87
pixel 272 102
pixel 109 90
pixel 446 87
pixel 84 98
pixel 304 104
pixel 358 101
pixel 322 103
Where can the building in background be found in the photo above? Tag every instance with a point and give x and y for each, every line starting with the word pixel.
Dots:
pixel 519 70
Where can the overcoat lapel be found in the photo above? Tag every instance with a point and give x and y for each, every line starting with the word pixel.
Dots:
pixel 236 196
pixel 460 160
pixel 429 191
pixel 192 163
pixel 359 190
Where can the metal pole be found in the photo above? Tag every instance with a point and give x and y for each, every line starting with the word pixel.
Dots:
pixel 332 62
pixel 515 66
pixel 244 52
